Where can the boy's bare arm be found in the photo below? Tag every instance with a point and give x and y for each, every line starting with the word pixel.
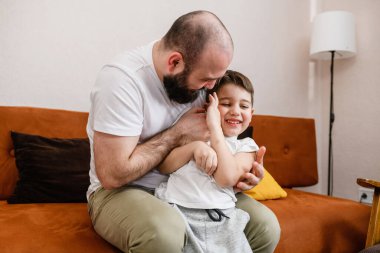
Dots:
pixel 177 158
pixel 204 156
pixel 231 168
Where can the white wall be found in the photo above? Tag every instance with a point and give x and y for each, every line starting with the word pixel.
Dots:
pixel 356 135
pixel 51 52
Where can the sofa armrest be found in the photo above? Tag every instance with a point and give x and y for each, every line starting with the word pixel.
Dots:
pixel 373 234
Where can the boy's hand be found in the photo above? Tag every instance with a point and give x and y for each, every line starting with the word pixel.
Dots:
pixel 205 157
pixel 253 177
pixel 213 114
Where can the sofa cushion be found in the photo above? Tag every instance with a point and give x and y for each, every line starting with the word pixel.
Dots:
pixel 316 223
pixel 51 170
pixel 58 228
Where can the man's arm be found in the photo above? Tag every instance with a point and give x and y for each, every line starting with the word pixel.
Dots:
pixel 120 160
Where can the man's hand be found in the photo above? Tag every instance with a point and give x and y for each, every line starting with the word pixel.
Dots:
pixel 253 177
pixel 192 126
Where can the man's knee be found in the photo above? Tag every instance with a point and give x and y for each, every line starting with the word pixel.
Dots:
pixel 159 232
pixel 135 221
pixel 163 233
pixel 263 230
pixel 268 233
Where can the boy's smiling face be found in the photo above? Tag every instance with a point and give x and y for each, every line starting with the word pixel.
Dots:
pixel 235 107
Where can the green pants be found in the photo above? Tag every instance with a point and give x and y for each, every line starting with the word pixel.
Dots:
pixel 134 220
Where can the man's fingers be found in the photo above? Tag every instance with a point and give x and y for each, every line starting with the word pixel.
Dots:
pixel 260 154
pixel 215 96
pixel 198 110
pixel 251 179
pixel 249 182
pixel 258 170
pixel 243 186
pixel 211 99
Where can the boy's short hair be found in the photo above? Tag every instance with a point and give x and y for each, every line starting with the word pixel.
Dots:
pixel 233 77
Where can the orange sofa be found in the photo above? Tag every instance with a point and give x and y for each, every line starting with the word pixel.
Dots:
pixel 309 222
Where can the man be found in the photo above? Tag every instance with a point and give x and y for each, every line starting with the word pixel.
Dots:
pixel 145 103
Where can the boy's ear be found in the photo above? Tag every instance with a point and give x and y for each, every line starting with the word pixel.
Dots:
pixel 175 63
pixel 253 110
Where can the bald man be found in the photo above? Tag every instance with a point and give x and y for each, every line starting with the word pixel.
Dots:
pixel 145 103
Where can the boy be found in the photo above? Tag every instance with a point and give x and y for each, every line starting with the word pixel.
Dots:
pixel 202 176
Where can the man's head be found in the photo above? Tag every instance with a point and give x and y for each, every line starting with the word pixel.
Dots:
pixel 201 50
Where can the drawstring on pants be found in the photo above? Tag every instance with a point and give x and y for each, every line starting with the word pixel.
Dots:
pixel 216 214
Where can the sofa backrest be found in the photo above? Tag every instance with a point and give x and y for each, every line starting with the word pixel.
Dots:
pixel 291 155
pixel 45 122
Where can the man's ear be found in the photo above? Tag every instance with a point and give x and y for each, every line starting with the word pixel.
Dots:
pixel 253 110
pixel 175 63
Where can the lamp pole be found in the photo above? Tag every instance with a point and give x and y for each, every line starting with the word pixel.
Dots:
pixel 332 119
pixel 333 36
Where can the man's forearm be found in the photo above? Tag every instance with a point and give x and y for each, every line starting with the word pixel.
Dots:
pixel 119 161
pixel 150 154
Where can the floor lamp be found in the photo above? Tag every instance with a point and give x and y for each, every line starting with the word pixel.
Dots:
pixel 333 37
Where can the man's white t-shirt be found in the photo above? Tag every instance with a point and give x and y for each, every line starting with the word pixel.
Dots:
pixel 129 99
pixel 191 187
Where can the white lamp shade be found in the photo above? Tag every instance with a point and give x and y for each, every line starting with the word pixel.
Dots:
pixel 333 31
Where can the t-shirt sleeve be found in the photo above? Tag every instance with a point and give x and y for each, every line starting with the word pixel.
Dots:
pixel 247 145
pixel 117 103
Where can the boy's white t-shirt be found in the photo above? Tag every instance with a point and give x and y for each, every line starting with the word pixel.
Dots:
pixel 129 99
pixel 191 187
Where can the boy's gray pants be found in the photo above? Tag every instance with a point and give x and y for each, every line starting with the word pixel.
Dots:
pixel 205 235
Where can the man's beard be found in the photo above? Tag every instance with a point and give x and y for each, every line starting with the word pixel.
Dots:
pixel 176 88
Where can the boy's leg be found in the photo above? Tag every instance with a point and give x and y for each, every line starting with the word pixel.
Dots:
pixel 134 220
pixel 263 229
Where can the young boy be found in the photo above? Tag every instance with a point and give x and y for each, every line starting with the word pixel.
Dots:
pixel 203 174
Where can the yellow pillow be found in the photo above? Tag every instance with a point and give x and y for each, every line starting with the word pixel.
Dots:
pixel 268 188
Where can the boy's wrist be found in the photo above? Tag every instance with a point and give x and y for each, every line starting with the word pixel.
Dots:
pixel 217 135
pixel 215 127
